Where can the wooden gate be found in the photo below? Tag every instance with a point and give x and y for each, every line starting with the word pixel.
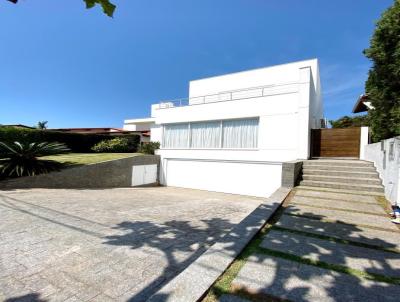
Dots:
pixel 335 142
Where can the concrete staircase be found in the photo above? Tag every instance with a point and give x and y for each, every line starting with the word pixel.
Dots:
pixel 341 174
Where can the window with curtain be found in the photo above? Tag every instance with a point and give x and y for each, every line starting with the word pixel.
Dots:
pixel 235 134
pixel 205 135
pixel 176 136
pixel 241 133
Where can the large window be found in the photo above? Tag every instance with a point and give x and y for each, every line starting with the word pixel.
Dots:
pixel 230 134
pixel 205 135
pixel 240 133
pixel 176 136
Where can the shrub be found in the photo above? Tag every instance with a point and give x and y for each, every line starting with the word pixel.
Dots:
pixel 21 159
pixel 79 143
pixel 118 144
pixel 149 148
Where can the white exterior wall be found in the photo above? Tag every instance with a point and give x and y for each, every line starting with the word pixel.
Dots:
pixel 388 165
pixel 137 126
pixel 287 109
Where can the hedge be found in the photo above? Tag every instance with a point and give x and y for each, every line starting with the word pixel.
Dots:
pixel 80 143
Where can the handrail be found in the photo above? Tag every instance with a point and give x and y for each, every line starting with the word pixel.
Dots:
pixel 221 96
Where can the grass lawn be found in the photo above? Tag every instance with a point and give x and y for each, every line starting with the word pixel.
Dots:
pixel 86 158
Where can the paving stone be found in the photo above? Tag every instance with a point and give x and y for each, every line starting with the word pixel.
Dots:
pixel 346 217
pixel 335 196
pixel 360 258
pixel 345 205
pixel 106 243
pixel 342 231
pixel 298 282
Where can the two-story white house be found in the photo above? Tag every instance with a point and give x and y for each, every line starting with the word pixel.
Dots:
pixel 234 131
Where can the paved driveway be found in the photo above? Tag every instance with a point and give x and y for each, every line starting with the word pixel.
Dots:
pixel 109 244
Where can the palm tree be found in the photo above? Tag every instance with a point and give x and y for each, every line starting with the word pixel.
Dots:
pixel 22 159
pixel 42 125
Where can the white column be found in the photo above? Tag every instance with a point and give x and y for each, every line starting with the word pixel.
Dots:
pixel 363 141
pixel 303 113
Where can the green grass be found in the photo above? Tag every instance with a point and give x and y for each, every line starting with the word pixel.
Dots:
pixel 73 159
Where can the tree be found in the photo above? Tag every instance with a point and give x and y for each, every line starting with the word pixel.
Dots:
pixel 349 122
pixel 383 83
pixel 42 125
pixel 108 7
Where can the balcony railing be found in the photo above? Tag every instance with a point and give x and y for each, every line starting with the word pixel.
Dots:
pixel 233 95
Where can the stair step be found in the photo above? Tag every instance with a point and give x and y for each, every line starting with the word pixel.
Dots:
pixel 356 174
pixel 339 185
pixel 339 168
pixel 343 179
pixel 337 163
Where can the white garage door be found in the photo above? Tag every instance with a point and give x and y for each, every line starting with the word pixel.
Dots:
pixel 254 179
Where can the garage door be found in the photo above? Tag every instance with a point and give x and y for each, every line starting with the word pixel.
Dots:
pixel 246 178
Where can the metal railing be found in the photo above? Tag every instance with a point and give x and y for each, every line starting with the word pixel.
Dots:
pixel 232 95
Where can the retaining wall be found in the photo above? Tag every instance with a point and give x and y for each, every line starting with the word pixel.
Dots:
pixel 108 174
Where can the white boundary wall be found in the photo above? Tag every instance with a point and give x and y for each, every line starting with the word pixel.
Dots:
pixel 386 157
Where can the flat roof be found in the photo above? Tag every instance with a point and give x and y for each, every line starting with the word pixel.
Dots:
pixel 140 120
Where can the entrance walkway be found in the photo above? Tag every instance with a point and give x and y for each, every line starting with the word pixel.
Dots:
pixel 327 245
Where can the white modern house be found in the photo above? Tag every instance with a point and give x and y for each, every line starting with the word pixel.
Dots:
pixel 234 131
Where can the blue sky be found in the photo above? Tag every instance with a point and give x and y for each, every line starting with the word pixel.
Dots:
pixel 78 68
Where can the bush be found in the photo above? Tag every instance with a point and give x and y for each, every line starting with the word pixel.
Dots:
pixel 149 148
pixel 118 144
pixel 79 143
pixel 350 121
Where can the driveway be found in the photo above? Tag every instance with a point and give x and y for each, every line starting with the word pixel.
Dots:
pixel 108 244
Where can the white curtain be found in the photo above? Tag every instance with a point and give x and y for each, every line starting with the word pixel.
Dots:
pixel 206 135
pixel 176 136
pixel 241 133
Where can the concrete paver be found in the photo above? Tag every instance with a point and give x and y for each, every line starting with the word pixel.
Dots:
pixel 339 204
pixel 360 258
pixel 299 282
pixel 335 195
pixel 343 216
pixel 109 244
pixel 344 231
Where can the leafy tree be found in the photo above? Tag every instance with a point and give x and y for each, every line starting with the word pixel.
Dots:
pixel 42 125
pixel 22 159
pixel 108 7
pixel 383 84
pixel 350 121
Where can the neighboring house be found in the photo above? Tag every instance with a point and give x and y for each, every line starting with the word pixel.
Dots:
pixel 143 125
pixel 145 135
pixel 234 131
pixel 90 130
pixel 362 104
